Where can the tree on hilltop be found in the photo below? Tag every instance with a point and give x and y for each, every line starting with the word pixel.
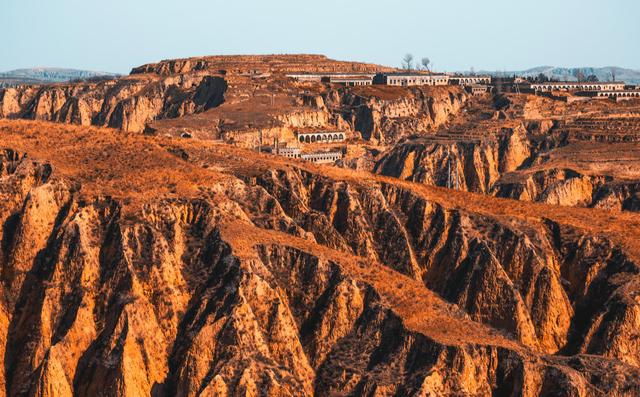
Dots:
pixel 407 62
pixel 425 63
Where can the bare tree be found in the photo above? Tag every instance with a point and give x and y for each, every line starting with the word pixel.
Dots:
pixel 425 63
pixel 407 62
pixel 579 75
pixel 613 74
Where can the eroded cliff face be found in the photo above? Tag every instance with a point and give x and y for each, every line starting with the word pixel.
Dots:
pixel 513 163
pixel 175 98
pixel 505 275
pixel 471 164
pixel 284 279
pixel 128 104
pixel 568 187
pixel 385 116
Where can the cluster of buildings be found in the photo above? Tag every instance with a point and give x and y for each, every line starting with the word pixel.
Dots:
pixel 405 78
pixel 320 157
pixel 616 90
pixel 347 79
pixel 577 86
pixel 476 85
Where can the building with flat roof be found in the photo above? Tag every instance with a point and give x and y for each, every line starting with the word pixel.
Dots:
pixel 468 80
pixel 328 77
pixel 351 81
pixel 577 86
pixel 291 152
pixel 614 94
pixel 322 157
pixel 477 89
pixel 410 79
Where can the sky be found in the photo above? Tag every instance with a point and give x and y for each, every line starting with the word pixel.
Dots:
pixel 116 35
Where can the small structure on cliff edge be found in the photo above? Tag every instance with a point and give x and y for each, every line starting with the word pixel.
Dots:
pixel 321 137
pixel 405 79
pixel 478 89
pixel 291 152
pixel 280 149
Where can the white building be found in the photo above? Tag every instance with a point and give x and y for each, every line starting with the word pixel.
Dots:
pixel 321 137
pixel 470 80
pixel 577 86
pixel 330 77
pixel 351 81
pixel 322 157
pixel 411 78
pixel 291 152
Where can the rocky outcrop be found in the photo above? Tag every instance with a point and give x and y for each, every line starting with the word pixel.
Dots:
pixel 513 164
pixel 389 115
pixel 257 64
pixel 507 276
pixel 284 282
pixel 471 164
pixel 171 89
pixel 569 188
pixel 127 104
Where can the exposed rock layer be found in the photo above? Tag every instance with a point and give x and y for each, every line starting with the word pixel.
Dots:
pixel 280 279
pixel 517 164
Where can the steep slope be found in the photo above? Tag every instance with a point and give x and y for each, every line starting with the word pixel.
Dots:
pixel 128 103
pixel 152 266
pixel 570 160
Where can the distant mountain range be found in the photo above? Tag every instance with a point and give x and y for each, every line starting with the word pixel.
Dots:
pixel 49 75
pixel 568 74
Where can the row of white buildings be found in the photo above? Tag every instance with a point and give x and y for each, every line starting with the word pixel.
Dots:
pixel 473 84
pixel 407 78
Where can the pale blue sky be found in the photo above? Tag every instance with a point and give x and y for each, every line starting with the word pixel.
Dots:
pixel 456 34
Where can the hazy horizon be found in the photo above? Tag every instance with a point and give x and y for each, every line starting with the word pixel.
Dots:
pixel 494 35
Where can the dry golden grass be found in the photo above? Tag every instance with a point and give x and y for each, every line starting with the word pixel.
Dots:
pixel 140 169
pixel 421 309
pixel 107 162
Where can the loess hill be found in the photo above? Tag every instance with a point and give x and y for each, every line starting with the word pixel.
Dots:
pixel 164 257
pixel 136 265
